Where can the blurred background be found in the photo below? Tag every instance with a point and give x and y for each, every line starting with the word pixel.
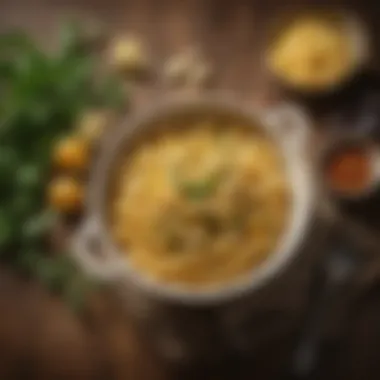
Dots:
pixel 42 338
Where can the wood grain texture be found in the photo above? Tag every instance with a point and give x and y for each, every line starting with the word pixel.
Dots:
pixel 41 339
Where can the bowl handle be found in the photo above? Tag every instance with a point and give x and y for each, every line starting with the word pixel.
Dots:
pixel 290 124
pixel 91 254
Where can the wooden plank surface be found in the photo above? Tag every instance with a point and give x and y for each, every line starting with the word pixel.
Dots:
pixel 51 343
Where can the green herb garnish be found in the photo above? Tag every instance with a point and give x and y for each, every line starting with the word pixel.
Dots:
pixel 42 97
pixel 200 189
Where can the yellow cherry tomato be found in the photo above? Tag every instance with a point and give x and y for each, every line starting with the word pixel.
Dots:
pixel 72 153
pixel 65 194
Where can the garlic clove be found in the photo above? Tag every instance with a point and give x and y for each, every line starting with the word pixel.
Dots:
pixel 176 69
pixel 128 54
pixel 187 68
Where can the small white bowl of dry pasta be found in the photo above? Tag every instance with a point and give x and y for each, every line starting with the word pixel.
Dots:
pixel 199 202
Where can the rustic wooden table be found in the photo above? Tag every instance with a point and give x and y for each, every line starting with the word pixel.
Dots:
pixel 41 339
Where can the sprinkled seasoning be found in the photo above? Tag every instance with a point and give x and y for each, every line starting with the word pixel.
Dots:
pixel 350 170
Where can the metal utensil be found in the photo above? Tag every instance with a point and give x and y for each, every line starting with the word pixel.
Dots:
pixel 338 268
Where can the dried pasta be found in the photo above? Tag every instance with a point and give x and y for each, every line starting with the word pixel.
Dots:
pixel 312 53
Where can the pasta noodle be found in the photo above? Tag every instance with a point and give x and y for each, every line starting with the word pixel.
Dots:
pixel 200 206
pixel 312 53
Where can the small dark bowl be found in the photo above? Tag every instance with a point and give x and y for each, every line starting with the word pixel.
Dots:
pixel 338 144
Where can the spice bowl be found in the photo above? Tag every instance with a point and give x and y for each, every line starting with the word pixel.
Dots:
pixel 350 168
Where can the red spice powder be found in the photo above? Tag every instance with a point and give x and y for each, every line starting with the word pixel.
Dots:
pixel 349 170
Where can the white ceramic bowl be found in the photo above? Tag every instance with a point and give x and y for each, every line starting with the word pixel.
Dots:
pixel 97 253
